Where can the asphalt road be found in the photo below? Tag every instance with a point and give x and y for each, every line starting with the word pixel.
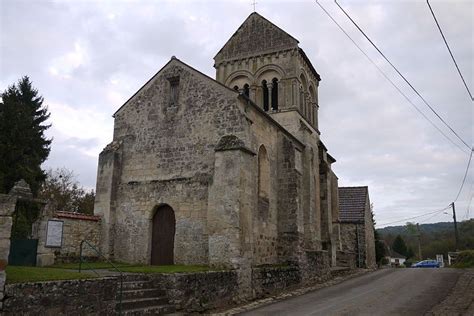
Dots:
pixel 384 292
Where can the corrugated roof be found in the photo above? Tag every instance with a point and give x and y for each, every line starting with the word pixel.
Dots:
pixel 352 203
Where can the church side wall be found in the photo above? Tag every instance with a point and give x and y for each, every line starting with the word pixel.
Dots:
pixel 265 214
pixel 168 158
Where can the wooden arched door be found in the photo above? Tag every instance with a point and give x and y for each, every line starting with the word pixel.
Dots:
pixel 162 241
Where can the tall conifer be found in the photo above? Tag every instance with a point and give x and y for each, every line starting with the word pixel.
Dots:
pixel 23 143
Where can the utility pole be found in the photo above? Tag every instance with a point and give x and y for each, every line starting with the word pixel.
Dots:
pixel 456 235
pixel 419 241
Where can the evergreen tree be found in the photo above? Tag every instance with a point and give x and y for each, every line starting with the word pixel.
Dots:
pixel 410 253
pixel 23 144
pixel 400 246
pixel 379 244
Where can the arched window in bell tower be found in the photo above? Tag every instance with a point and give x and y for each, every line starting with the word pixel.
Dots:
pixel 265 95
pixel 246 90
pixel 236 88
pixel 274 94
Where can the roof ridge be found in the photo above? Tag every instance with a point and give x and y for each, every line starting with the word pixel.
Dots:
pixel 173 58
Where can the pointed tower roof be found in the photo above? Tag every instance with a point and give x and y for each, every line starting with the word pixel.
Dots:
pixel 255 36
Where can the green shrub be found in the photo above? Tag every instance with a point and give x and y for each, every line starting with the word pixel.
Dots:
pixel 384 261
pixel 465 259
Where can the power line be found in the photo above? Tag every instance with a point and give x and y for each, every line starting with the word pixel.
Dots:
pixel 427 219
pixel 465 175
pixel 406 219
pixel 389 80
pixel 403 77
pixel 449 49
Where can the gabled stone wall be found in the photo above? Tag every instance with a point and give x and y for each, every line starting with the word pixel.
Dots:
pixel 166 156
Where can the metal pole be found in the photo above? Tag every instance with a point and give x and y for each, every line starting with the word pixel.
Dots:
pixel 456 235
pixel 80 256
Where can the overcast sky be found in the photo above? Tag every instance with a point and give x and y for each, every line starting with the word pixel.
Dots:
pixel 88 57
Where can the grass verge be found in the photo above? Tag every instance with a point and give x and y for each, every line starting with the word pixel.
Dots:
pixel 465 260
pixel 18 274
pixel 91 265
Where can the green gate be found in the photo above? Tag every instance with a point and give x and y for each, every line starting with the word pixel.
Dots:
pixel 23 252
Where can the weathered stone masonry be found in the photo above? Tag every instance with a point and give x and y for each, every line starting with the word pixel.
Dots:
pixel 76 228
pixel 239 161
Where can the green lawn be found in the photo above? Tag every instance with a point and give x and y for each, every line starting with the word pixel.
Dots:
pixel 17 274
pixel 91 265
pixel 164 269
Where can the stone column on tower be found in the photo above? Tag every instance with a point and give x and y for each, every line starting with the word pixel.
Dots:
pixel 270 87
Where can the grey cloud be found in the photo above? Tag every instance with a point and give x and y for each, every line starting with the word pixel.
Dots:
pixel 376 136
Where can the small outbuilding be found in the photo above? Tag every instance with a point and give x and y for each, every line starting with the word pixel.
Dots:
pixel 356 225
pixel 395 258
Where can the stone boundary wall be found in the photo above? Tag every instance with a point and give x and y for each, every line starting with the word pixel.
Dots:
pixel 7 207
pixel 316 268
pixel 76 228
pixel 71 297
pixel 189 292
pixel 198 292
pixel 269 280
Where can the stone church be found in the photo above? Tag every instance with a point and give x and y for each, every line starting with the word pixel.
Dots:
pixel 229 172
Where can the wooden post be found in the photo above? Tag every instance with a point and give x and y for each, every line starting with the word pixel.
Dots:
pixel 456 235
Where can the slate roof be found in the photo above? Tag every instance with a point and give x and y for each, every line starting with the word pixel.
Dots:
pixel 352 203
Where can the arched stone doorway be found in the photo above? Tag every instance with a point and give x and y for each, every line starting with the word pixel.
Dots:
pixel 162 240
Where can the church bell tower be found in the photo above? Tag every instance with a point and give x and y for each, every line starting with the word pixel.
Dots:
pixel 266 64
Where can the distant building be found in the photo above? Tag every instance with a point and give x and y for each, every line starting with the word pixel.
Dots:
pixel 395 258
pixel 356 225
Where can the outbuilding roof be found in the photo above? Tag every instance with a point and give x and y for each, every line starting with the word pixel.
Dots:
pixel 396 255
pixel 352 203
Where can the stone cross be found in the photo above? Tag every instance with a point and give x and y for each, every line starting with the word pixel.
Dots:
pixel 254 3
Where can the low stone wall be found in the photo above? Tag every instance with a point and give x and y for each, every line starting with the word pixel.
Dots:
pixel 76 227
pixel 269 280
pixel 71 297
pixel 316 267
pixel 198 292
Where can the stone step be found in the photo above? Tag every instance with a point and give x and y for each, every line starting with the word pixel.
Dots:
pixel 143 302
pixel 150 310
pixel 133 285
pixel 141 293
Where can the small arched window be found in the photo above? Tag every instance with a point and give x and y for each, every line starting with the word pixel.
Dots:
pixel 274 94
pixel 236 88
pixel 246 90
pixel 265 95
